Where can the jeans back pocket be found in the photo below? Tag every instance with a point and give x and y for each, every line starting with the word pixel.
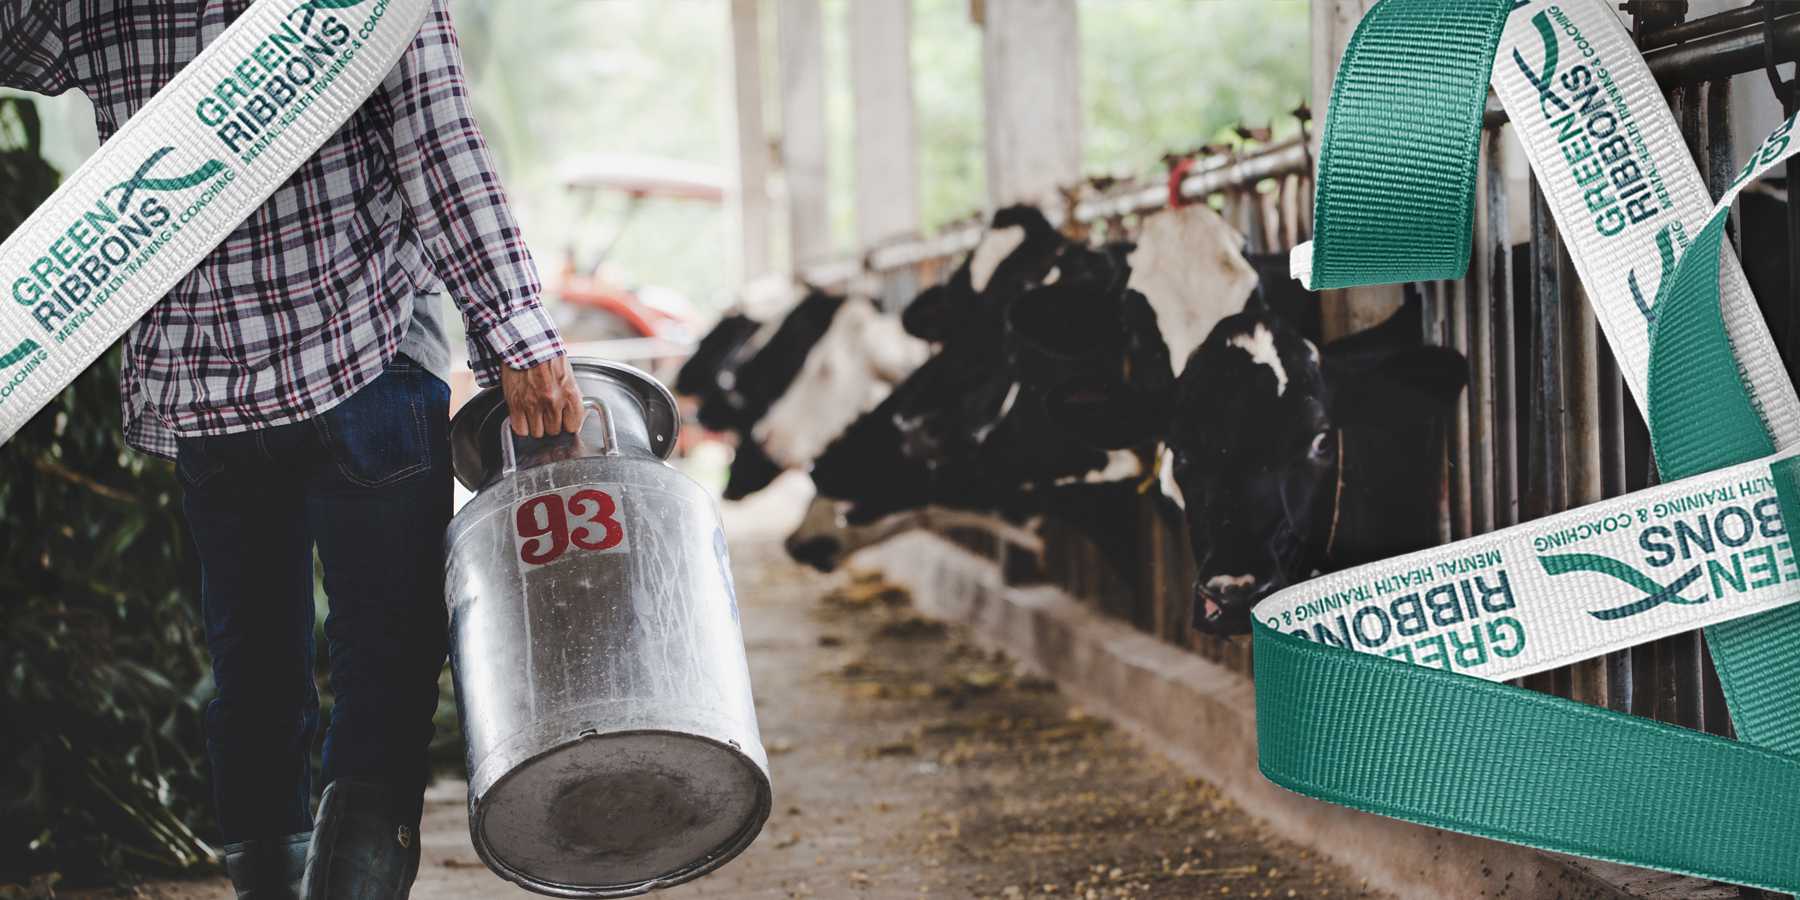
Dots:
pixel 194 464
pixel 382 434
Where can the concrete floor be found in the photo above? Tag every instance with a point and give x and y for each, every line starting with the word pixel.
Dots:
pixel 910 763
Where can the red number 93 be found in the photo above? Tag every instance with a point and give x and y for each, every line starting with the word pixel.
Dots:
pixel 545 530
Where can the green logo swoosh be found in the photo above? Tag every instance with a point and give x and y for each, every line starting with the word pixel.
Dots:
pixel 142 180
pixel 1665 248
pixel 1551 53
pixel 1654 594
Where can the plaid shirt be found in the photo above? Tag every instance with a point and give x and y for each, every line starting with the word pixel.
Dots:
pixel 307 300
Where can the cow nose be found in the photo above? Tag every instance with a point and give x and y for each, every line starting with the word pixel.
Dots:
pixel 1222 604
pixel 819 552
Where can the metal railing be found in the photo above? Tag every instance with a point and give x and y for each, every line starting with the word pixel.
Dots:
pixel 1545 424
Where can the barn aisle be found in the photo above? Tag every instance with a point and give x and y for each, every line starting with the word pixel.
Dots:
pixel 910 763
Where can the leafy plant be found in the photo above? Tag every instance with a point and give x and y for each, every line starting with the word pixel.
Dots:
pixel 104 670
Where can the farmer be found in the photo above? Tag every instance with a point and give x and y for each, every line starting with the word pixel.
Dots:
pixel 297 378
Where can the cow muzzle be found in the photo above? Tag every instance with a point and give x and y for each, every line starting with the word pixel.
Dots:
pixel 822 552
pixel 1222 604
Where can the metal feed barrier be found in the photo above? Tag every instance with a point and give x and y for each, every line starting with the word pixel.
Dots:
pixel 1544 425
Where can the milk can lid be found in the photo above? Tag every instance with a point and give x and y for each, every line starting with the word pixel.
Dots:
pixel 474 453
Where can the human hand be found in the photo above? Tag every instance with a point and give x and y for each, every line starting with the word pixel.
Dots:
pixel 543 399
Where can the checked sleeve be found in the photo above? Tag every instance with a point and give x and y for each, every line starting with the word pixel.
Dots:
pixel 460 209
pixel 31 47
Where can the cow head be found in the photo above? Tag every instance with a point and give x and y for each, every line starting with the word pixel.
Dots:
pixel 743 366
pixel 1253 428
pixel 820 539
pixel 1252 450
pixel 968 428
pixel 699 374
pixel 1016 252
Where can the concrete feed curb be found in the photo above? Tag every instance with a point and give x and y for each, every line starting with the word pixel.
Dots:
pixel 1204 717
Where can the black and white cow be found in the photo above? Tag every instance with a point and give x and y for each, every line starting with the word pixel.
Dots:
pixel 919 444
pixel 969 430
pixel 760 370
pixel 699 374
pixel 785 385
pixel 1289 460
pixel 853 367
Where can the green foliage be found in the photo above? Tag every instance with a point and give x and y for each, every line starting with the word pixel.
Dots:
pixel 946 57
pixel 1170 75
pixel 575 78
pixel 105 672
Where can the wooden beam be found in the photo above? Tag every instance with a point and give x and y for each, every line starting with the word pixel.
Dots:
pixel 750 192
pixel 887 159
pixel 800 36
pixel 1031 80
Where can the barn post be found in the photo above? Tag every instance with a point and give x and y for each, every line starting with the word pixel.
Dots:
pixel 887 159
pixel 750 200
pixel 1031 87
pixel 800 37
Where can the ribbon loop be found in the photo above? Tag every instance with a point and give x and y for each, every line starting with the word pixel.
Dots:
pixel 1414 725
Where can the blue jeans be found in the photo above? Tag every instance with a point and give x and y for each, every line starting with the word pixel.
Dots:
pixel 368 484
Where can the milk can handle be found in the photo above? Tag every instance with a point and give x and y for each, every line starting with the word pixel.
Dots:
pixel 509 454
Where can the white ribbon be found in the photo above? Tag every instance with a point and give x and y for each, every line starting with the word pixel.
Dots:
pixel 194 162
pixel 1627 199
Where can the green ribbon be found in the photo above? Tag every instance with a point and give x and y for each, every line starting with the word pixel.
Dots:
pixel 1395 203
pixel 1702 418
pixel 1405 109
pixel 1654 594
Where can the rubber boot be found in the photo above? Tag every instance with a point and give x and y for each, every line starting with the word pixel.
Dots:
pixel 362 848
pixel 268 869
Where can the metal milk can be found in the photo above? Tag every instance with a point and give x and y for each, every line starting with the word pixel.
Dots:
pixel 599 665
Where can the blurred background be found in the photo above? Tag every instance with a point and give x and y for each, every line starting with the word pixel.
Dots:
pixel 643 147
pixel 676 164
pixel 614 123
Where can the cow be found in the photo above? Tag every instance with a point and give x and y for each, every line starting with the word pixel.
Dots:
pixel 1016 253
pixel 919 442
pixel 763 300
pixel 1190 264
pixel 1288 460
pixel 755 375
pixel 699 374
pixel 969 431
pixel 785 385
pixel 746 362
pixel 968 427
pixel 853 367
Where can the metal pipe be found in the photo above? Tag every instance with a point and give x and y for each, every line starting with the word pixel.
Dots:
pixel 1544 490
pixel 1705 26
pixel 1281 159
pixel 1503 342
pixel 1489 252
pixel 1713 47
pixel 1285 158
